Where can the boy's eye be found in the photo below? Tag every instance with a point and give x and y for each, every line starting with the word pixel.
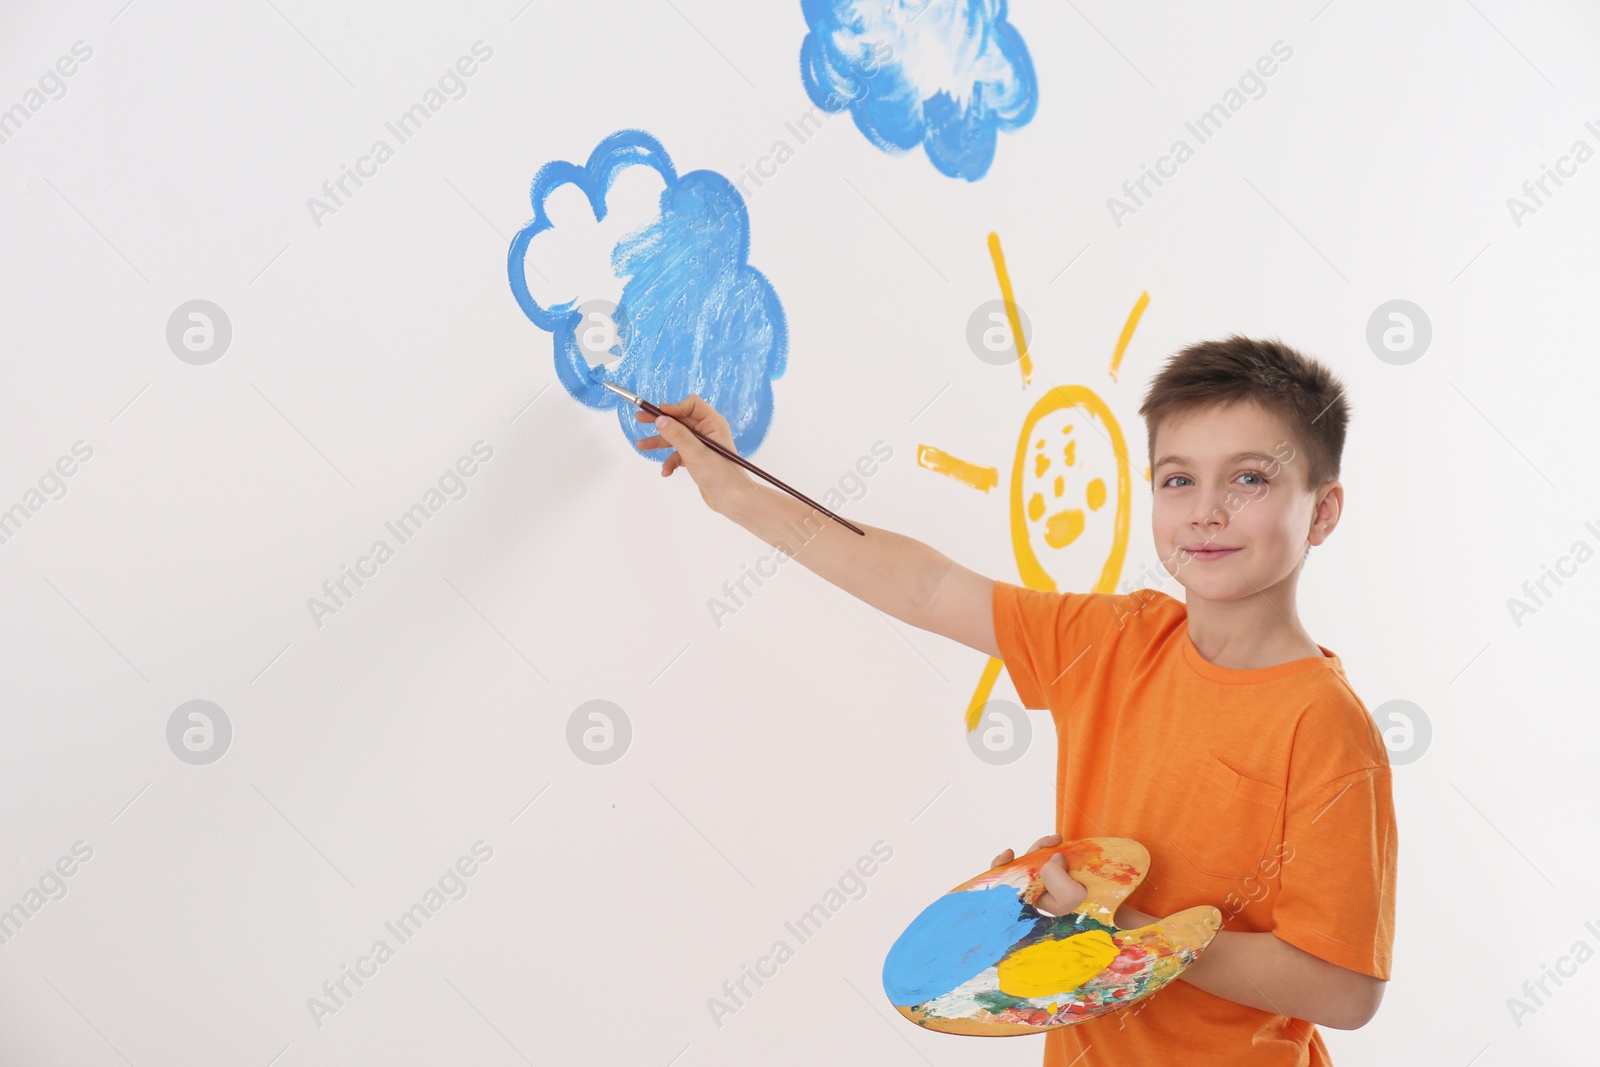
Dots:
pixel 1261 478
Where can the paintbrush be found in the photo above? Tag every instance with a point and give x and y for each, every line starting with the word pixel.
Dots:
pixel 640 402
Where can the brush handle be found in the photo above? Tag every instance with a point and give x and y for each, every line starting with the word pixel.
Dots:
pixel 753 469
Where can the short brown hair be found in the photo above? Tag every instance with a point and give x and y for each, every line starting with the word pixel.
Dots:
pixel 1302 392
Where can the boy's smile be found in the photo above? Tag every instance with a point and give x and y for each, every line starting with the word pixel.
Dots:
pixel 1232 520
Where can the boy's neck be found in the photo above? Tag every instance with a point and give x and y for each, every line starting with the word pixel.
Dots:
pixel 1260 630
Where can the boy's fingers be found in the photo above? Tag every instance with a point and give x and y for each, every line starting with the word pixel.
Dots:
pixel 1004 857
pixel 665 425
pixel 690 407
pixel 677 436
pixel 694 411
pixel 1045 842
pixel 671 437
pixel 1057 882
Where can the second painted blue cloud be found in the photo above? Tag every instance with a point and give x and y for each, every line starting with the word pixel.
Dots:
pixel 945 74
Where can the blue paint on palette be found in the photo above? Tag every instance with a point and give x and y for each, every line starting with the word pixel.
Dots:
pixel 695 315
pixel 945 74
pixel 956 938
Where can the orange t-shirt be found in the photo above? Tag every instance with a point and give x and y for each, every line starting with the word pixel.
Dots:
pixel 1265 793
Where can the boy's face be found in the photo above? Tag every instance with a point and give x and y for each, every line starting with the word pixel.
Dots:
pixel 1253 514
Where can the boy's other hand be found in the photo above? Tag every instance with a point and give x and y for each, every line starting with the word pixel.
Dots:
pixel 1062 893
pixel 717 478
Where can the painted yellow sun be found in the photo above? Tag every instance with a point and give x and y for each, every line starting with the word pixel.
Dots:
pixel 1070 482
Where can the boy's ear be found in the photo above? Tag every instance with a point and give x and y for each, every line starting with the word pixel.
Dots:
pixel 1325 514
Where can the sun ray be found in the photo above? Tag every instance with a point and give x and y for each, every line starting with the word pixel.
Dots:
pixel 980 695
pixel 1127 332
pixel 973 474
pixel 1023 361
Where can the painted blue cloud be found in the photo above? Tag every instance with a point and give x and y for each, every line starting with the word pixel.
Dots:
pixel 945 74
pixel 694 316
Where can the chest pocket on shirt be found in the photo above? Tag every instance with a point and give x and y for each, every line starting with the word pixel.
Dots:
pixel 1227 822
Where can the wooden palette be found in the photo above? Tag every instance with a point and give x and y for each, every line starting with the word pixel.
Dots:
pixel 982 960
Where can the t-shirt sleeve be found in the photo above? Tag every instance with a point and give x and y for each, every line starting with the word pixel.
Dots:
pixel 1337 886
pixel 1042 635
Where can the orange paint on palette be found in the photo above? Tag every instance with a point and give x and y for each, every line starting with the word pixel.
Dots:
pixel 941 462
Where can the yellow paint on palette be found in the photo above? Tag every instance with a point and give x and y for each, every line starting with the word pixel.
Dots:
pixel 1127 332
pixel 1015 321
pixel 941 462
pixel 1045 968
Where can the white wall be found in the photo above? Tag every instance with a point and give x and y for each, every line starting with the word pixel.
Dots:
pixel 371 351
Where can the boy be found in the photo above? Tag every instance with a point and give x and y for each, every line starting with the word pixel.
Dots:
pixel 1213 730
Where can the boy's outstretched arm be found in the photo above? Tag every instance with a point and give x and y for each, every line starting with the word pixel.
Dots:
pixel 897 575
